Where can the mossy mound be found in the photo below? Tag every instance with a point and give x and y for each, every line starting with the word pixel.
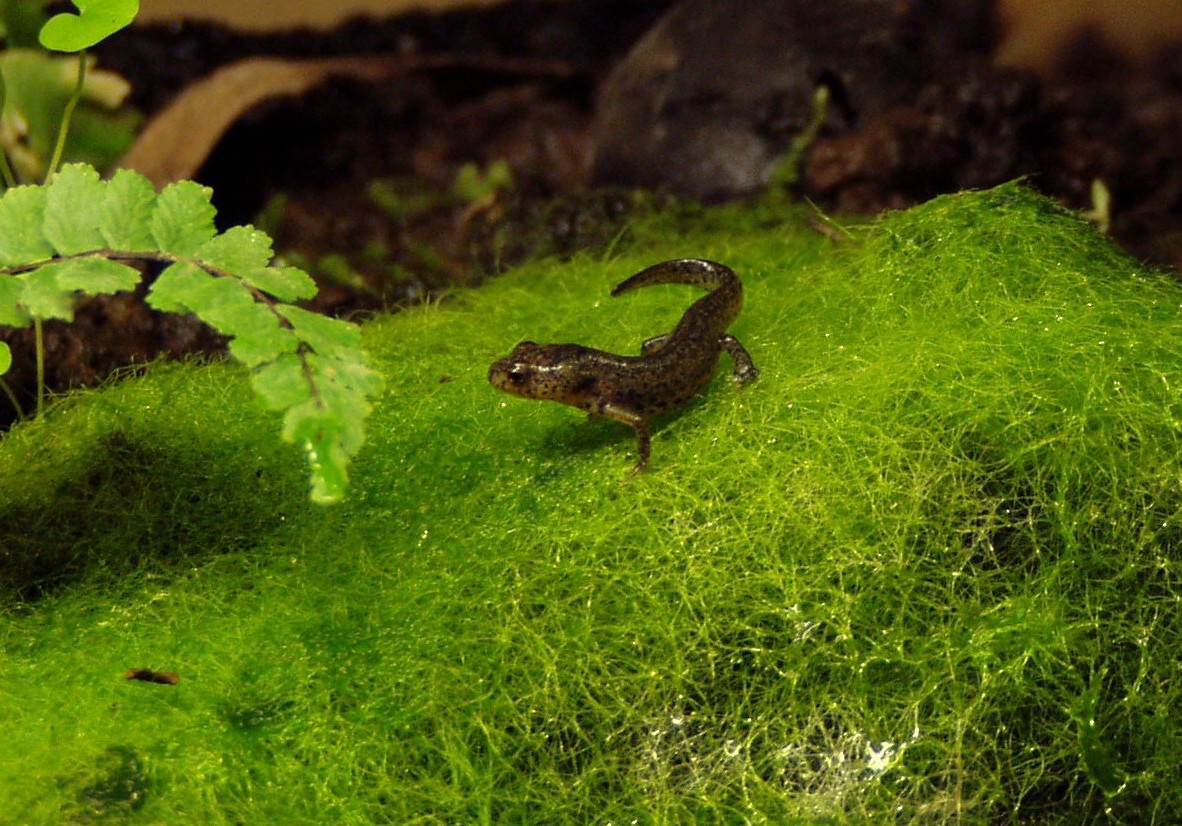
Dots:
pixel 924 570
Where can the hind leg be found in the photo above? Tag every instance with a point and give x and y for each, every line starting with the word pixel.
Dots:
pixel 745 369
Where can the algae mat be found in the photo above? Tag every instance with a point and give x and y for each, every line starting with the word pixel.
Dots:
pixel 924 570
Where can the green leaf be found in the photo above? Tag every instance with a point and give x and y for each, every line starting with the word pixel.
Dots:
pixel 236 250
pixel 471 184
pixel 50 291
pixel 285 283
pixel 94 275
pixel 44 298
pixel 173 288
pixel 126 212
pixel 326 416
pixel 73 236
pixel 183 218
pixel 343 387
pixel 327 336
pixel 5 358
pixel 259 338
pixel 96 21
pixel 347 382
pixel 226 305
pixel 318 432
pixel 22 210
pixel 12 312
pixel 73 204
pixel 281 383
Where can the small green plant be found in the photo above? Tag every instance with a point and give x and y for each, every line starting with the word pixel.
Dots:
pixel 77 235
pixel 399 198
pixel 472 185
pixel 96 21
pixel 787 171
pixel 58 104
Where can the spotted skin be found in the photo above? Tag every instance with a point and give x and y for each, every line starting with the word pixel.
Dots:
pixel 670 369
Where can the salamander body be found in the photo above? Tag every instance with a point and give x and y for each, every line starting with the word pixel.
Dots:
pixel 670 369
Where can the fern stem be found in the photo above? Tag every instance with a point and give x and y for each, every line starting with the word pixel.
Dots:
pixel 13 400
pixel 67 115
pixel 39 347
pixel 6 171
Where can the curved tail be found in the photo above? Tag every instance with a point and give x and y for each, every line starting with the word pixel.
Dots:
pixel 698 272
pixel 711 313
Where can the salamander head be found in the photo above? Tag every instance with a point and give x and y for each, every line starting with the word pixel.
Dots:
pixel 543 371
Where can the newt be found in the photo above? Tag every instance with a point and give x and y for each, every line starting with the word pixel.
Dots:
pixel 670 369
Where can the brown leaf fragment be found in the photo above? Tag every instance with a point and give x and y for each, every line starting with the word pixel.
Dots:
pixel 147 675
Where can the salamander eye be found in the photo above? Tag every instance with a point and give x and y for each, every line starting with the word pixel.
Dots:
pixel 519 374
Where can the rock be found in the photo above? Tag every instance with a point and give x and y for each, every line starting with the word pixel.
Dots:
pixel 711 97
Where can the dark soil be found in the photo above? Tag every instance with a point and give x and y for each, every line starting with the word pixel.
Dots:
pixel 1100 119
pixel 356 181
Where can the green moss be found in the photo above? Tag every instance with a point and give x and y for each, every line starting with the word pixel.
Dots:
pixel 925 569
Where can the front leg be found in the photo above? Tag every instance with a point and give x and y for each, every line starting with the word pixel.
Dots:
pixel 637 423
